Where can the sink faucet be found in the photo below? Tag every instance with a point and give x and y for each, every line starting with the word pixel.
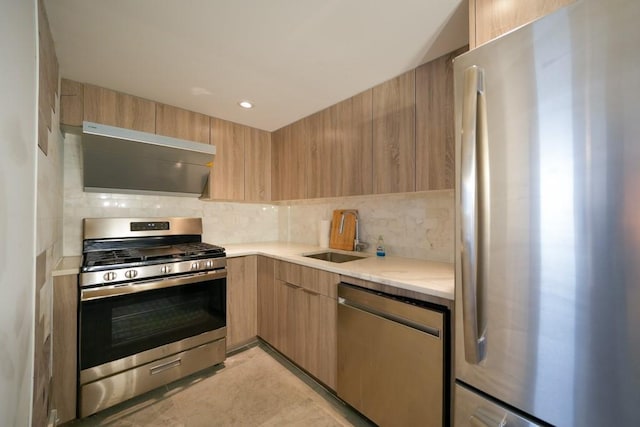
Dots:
pixel 357 244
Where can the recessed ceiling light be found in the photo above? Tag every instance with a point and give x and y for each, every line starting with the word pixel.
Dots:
pixel 245 104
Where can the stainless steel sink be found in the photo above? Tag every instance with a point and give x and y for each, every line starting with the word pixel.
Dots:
pixel 334 256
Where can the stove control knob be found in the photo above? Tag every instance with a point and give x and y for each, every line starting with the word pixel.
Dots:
pixel 195 266
pixel 110 276
pixel 130 274
pixel 208 264
pixel 165 269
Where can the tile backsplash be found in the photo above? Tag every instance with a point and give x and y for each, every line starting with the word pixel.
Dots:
pixel 414 225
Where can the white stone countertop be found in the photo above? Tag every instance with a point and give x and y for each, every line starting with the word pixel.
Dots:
pixel 427 277
pixel 431 278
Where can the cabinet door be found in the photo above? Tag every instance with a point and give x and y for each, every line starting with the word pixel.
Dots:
pixel 339 149
pixel 288 161
pixel 257 165
pixel 435 137
pixel 311 279
pixel 118 109
pixel 394 135
pixel 241 301
pixel 71 102
pixel 65 349
pixel 227 175
pixel 268 308
pixel 320 337
pixel 491 18
pixel 178 123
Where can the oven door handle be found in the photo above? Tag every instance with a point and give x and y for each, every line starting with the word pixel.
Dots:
pixel 148 285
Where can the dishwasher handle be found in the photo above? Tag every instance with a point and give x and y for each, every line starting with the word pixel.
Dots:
pixel 434 332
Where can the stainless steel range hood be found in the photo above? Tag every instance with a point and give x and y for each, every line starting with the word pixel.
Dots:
pixel 120 160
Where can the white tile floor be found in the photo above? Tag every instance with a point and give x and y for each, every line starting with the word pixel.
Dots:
pixel 255 387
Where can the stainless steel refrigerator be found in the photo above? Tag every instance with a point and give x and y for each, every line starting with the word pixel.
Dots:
pixel 548 222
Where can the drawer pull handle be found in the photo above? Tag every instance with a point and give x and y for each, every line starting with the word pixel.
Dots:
pixel 165 366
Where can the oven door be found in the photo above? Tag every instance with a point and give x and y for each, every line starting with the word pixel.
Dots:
pixel 129 319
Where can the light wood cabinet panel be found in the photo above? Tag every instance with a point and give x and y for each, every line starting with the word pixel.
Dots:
pixel 268 308
pixel 242 300
pixel 435 136
pixel 320 337
pixel 178 123
pixel 257 165
pixel 71 103
pixel 288 148
pixel 118 109
pixel 227 175
pixel 311 279
pixel 492 18
pixel 320 171
pixel 339 149
pixel 65 336
pixel 355 145
pixel 394 135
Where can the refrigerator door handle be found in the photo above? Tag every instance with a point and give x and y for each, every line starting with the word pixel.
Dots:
pixel 474 213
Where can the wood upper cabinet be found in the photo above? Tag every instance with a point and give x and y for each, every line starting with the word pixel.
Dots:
pixel 394 117
pixel 242 295
pixel 339 149
pixel 489 19
pixel 227 175
pixel 71 102
pixel 178 123
pixel 118 109
pixel 435 136
pixel 257 165
pixel 288 152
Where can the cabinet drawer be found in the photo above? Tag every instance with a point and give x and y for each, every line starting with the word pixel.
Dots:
pixel 311 279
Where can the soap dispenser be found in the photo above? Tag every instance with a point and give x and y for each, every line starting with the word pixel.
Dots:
pixel 380 247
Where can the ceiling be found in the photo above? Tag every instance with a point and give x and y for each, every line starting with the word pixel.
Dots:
pixel 291 58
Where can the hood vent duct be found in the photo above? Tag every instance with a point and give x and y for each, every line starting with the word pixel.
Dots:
pixel 118 160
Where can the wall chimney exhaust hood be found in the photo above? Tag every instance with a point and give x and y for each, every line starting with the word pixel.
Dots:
pixel 117 160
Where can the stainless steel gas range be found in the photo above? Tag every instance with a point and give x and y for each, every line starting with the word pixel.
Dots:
pixel 152 307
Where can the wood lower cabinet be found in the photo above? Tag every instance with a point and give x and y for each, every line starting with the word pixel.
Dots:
pixel 65 347
pixel 298 316
pixel 242 321
pixel 489 19
pixel 113 108
pixel 394 117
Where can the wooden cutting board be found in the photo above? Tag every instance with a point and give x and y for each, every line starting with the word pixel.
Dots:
pixel 345 239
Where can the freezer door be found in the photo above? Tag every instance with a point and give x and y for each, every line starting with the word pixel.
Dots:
pixel 474 410
pixel 548 216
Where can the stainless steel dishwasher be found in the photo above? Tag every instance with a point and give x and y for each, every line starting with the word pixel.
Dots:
pixel 391 358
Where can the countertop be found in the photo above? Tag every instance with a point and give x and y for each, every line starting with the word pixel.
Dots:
pixel 426 277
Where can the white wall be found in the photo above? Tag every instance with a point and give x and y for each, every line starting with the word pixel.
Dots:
pixel 18 146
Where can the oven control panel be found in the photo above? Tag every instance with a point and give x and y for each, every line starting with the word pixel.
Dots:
pixel 150 271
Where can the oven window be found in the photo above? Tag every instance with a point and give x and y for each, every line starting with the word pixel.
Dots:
pixel 117 327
